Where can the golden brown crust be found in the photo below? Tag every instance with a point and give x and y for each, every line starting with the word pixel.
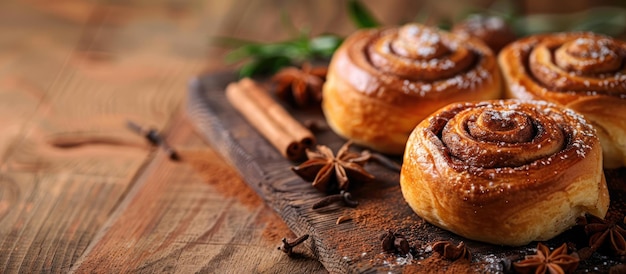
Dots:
pixel 383 82
pixel 582 71
pixel 485 185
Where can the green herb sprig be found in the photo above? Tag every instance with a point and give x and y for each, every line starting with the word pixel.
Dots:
pixel 361 16
pixel 267 58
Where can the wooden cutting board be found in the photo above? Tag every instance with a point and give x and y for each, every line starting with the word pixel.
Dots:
pixel 352 246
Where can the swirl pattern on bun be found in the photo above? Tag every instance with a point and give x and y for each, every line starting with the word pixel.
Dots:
pixel 382 82
pixel 504 172
pixel 582 71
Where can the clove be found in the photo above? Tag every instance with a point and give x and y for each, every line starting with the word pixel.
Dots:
pixel 451 252
pixel 387 241
pixel 394 242
pixel 401 245
pixel 155 138
pixel 344 196
pixel 288 246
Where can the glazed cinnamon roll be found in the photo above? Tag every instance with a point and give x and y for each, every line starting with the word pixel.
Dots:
pixel 504 172
pixel 582 71
pixel 381 83
pixel 492 30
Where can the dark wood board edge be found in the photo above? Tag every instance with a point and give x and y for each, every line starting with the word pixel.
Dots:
pixel 291 199
pixel 205 121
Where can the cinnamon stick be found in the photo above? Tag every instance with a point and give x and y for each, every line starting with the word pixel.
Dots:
pixel 273 122
pixel 278 113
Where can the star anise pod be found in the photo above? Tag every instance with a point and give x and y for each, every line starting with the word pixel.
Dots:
pixel 330 173
pixel 605 234
pixel 451 252
pixel 300 86
pixel 557 261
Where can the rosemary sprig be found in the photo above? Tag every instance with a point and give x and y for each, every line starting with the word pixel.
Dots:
pixel 267 58
pixel 361 16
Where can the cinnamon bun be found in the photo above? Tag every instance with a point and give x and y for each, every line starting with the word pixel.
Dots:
pixel 382 82
pixel 492 30
pixel 582 71
pixel 504 172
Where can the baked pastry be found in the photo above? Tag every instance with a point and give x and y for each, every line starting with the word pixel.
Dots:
pixel 382 82
pixel 492 30
pixel 582 71
pixel 504 172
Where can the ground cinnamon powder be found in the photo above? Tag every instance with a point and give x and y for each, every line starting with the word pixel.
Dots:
pixel 436 264
pixel 275 228
pixel 216 172
pixel 368 216
pixel 212 168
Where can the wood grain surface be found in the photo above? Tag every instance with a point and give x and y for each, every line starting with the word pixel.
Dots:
pixel 79 192
pixel 171 221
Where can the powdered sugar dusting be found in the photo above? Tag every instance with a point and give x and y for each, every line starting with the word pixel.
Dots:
pixel 469 80
pixel 426 51
pixel 595 49
pixel 415 48
pixel 503 115
pixel 579 139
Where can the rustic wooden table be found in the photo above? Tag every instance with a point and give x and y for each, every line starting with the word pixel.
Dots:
pixel 78 190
